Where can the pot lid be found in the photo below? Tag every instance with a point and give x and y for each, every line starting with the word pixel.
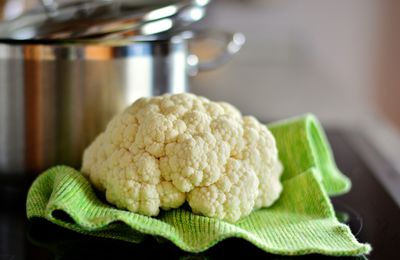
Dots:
pixel 97 18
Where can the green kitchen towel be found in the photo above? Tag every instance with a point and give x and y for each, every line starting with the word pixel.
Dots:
pixel 302 221
pixel 302 144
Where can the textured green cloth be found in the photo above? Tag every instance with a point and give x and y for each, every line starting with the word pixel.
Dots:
pixel 302 145
pixel 302 221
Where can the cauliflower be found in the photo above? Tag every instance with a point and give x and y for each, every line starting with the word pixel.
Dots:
pixel 163 151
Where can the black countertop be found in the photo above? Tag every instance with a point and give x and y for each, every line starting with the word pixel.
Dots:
pixel 373 217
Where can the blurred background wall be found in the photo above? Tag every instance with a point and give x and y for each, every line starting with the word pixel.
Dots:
pixel 387 67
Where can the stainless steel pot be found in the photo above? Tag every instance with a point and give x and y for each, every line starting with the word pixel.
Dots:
pixel 55 97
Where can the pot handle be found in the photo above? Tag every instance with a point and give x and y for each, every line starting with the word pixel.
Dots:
pixel 233 42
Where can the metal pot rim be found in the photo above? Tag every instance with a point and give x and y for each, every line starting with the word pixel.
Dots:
pixel 120 41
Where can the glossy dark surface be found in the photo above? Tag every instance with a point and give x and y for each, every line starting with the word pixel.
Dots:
pixel 368 209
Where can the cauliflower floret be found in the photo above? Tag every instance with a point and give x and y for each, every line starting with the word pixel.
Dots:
pixel 262 154
pixel 194 161
pixel 163 151
pixel 231 197
pixel 170 196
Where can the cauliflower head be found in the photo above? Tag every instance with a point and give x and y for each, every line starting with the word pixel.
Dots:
pixel 163 151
